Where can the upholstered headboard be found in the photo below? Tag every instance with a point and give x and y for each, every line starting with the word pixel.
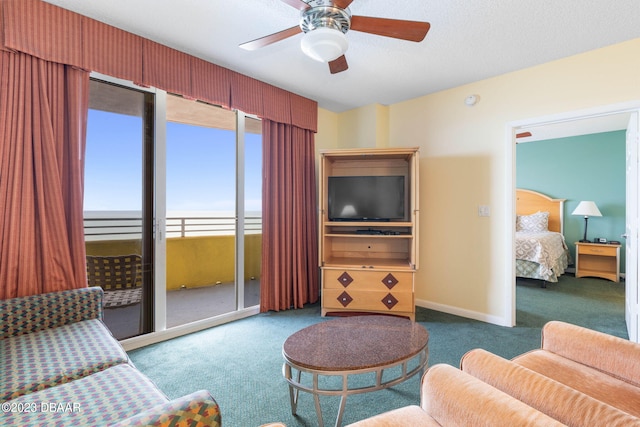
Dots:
pixel 529 202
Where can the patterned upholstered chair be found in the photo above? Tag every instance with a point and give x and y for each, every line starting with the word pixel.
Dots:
pixel 119 276
pixel 61 366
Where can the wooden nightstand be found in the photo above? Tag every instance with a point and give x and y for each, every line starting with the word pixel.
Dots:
pixel 598 260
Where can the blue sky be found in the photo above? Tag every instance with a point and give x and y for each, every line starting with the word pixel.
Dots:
pixel 200 166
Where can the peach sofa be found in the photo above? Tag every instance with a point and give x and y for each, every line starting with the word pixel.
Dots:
pixel 579 377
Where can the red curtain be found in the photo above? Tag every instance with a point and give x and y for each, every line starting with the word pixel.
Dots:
pixel 289 230
pixel 43 117
pixel 43 110
pixel 59 35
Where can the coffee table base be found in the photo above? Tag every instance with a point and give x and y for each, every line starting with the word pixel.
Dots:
pixel 295 385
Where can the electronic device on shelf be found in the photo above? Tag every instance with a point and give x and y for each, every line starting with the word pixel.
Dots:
pixel 368 232
pixel 372 232
pixel 366 198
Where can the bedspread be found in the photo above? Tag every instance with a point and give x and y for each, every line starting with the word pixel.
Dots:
pixel 544 249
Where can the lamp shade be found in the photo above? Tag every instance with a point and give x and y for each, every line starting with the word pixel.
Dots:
pixel 586 208
pixel 324 44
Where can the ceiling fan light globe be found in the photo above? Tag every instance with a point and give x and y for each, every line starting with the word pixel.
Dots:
pixel 324 44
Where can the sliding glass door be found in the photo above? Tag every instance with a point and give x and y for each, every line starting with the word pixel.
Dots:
pixel 201 205
pixel 209 268
pixel 178 182
pixel 118 205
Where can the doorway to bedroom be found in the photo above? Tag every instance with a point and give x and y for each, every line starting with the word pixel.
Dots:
pixel 580 156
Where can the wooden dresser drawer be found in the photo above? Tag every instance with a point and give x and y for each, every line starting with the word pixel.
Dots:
pixel 601 250
pixel 396 281
pixel 380 301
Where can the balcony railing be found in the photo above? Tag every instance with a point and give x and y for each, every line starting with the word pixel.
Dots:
pixel 210 226
pixel 119 225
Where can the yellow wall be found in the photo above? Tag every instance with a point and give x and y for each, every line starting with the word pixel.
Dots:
pixel 364 127
pixel 200 261
pixel 358 128
pixel 327 136
pixel 194 261
pixel 464 164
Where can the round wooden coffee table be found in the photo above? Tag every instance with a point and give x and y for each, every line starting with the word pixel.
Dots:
pixel 352 346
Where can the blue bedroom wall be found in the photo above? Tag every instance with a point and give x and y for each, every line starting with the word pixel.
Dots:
pixel 589 167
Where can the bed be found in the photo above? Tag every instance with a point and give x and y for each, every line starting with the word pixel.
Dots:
pixel 541 251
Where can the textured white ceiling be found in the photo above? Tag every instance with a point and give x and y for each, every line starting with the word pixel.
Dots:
pixel 469 40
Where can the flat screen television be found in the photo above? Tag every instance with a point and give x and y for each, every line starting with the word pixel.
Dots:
pixel 366 198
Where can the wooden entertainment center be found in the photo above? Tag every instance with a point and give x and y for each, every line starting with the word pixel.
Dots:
pixel 368 265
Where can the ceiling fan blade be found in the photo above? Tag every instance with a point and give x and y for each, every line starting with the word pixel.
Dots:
pixel 338 65
pixel 298 4
pixel 342 4
pixel 272 38
pixel 414 31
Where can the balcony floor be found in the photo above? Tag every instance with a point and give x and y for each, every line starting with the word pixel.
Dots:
pixel 184 306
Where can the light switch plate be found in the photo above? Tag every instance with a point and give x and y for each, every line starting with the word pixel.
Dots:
pixel 484 210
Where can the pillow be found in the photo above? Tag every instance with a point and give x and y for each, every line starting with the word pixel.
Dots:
pixel 534 223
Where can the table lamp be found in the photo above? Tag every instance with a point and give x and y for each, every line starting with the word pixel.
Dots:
pixel 586 208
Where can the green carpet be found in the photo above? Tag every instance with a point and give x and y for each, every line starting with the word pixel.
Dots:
pixel 240 363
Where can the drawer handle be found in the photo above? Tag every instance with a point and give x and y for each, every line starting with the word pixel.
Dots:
pixel 344 279
pixel 344 299
pixel 389 281
pixel 389 301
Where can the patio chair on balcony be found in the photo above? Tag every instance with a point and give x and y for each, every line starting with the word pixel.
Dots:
pixel 119 276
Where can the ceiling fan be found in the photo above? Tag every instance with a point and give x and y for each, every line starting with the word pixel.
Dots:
pixel 524 134
pixel 325 23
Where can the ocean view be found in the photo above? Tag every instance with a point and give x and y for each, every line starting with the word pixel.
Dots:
pixel 127 225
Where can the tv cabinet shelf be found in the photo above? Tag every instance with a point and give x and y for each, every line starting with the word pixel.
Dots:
pixel 368 228
pixel 364 235
pixel 369 266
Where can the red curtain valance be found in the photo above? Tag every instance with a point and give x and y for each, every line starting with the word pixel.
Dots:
pixel 58 35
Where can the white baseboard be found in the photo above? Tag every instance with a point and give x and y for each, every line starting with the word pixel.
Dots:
pixel 457 311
